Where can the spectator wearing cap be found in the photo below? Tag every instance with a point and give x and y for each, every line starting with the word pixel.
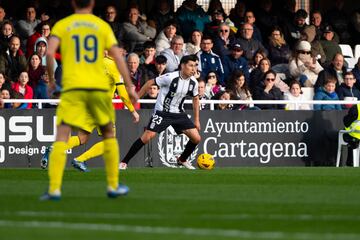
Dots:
pixel 209 61
pixel 292 30
pixel 223 41
pixel 248 43
pixel 212 28
pixel 303 66
pixel 235 61
pixel 174 53
pixel 331 47
pixel 159 68
pixel 163 40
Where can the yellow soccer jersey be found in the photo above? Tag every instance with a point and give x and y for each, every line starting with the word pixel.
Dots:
pixel 83 39
pixel 116 82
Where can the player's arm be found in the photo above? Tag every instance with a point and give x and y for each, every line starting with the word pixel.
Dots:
pixel 126 99
pixel 53 45
pixel 115 53
pixel 196 109
pixel 146 86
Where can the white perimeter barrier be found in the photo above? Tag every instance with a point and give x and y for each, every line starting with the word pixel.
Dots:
pixel 211 102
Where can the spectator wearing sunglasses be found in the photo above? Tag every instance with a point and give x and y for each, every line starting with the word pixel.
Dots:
pixel 303 66
pixel 269 92
pixel 223 40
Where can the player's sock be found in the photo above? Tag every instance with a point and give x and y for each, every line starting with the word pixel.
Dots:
pixel 73 141
pixel 57 163
pixel 137 145
pixel 189 148
pixel 96 150
pixel 111 159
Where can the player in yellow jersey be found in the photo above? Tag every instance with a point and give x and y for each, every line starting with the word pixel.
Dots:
pixel 85 100
pixel 116 81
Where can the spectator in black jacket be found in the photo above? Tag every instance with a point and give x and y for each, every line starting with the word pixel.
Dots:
pixel 347 90
pixel 269 92
pixel 248 43
pixel 336 69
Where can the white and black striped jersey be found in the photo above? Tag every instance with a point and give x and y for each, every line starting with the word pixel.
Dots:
pixel 173 91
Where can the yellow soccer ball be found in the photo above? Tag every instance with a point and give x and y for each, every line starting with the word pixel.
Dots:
pixel 206 161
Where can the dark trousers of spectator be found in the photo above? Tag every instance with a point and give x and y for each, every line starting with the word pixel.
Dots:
pixel 352 144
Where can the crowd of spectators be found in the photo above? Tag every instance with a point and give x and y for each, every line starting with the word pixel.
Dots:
pixel 250 54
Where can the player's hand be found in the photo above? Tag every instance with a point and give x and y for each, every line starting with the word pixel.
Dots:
pixel 135 116
pixel 51 87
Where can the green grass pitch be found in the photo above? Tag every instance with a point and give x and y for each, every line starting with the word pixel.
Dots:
pixel 172 204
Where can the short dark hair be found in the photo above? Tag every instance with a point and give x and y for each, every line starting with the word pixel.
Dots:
pixel 161 59
pixel 301 13
pixel 82 3
pixel 189 58
pixel 149 44
pixel 170 22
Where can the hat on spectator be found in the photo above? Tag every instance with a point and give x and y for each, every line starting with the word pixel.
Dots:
pixel 161 59
pixel 303 46
pixel 236 45
pixel 328 28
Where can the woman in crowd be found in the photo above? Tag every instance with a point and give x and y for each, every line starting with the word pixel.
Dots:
pixel 193 46
pixel 237 85
pixel 303 66
pixel 279 50
pixel 35 70
pixel 254 63
pixel 269 92
pixel 257 76
pixel 212 86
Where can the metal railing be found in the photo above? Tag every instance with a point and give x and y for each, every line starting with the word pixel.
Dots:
pixel 212 103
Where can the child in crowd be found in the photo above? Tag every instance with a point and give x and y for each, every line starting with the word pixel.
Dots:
pixel 327 92
pixel 21 86
pixel 295 94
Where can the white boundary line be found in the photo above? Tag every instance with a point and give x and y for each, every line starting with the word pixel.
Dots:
pixel 230 233
pixel 244 216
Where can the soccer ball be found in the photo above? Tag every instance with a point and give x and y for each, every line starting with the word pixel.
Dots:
pixel 206 161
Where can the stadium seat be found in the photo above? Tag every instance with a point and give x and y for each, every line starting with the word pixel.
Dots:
pixel 357 51
pixel 341 142
pixel 346 50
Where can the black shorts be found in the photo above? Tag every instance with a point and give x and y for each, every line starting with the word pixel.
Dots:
pixel 161 120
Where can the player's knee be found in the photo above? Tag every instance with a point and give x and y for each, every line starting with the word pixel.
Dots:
pixel 147 136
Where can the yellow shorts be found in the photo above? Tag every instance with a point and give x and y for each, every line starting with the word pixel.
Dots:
pixel 85 109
